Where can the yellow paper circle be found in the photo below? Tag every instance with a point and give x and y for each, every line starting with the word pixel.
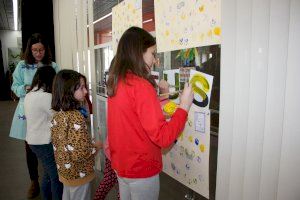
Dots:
pixel 202 148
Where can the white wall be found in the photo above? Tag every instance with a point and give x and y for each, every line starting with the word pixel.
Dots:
pixel 65 33
pixel 259 138
pixel 8 40
pixel 70 25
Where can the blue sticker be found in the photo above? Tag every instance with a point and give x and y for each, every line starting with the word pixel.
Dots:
pixel 173 166
pixel 198 159
pixel 187 166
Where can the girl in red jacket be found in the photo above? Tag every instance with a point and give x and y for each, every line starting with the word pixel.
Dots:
pixel 137 128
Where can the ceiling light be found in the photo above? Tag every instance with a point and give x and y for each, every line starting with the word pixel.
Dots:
pixel 148 20
pixel 15 7
pixel 100 19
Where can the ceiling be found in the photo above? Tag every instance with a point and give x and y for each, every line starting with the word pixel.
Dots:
pixel 101 8
pixel 7 15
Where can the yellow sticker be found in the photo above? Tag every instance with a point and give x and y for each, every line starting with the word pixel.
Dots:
pixel 209 33
pixel 201 8
pixel 191 138
pixel 183 16
pixel 181 136
pixel 170 107
pixel 202 148
pixel 217 31
pixel 167 33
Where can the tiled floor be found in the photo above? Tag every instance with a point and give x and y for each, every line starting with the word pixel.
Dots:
pixel 15 179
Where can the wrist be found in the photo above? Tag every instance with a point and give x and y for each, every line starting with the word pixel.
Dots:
pixel 184 107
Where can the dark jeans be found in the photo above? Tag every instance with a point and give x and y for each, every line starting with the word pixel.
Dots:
pixel 51 187
pixel 32 163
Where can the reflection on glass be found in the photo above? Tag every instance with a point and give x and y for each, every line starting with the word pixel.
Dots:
pixel 103 57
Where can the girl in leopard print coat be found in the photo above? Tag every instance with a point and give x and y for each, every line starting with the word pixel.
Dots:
pixel 74 150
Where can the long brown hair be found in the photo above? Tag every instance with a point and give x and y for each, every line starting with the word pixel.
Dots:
pixel 129 58
pixel 43 78
pixel 65 83
pixel 37 38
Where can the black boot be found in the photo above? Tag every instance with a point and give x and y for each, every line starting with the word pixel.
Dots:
pixel 34 189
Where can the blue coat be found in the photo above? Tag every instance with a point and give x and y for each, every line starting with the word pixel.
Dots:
pixel 22 76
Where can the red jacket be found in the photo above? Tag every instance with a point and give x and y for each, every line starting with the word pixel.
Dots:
pixel 138 130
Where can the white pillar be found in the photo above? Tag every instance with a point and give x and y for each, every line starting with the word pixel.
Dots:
pixel 65 33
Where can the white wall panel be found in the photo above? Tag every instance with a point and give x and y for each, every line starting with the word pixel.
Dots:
pixel 64 30
pixel 228 66
pixel 278 43
pixel 259 138
pixel 241 97
pixel 257 97
pixel 289 174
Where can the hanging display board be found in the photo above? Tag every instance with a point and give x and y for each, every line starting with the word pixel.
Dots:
pixel 187 160
pixel 101 128
pixel 182 24
pixel 124 15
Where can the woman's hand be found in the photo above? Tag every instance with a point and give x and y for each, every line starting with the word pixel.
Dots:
pixel 163 86
pixel 186 97
pixel 27 88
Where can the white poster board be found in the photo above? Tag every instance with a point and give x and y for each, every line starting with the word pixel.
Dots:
pixel 124 15
pixel 101 128
pixel 182 24
pixel 188 160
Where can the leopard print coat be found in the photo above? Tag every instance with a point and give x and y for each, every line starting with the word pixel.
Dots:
pixel 73 148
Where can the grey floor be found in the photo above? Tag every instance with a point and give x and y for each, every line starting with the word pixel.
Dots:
pixel 15 179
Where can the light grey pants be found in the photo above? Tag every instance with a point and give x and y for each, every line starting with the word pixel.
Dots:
pixel 82 192
pixel 139 188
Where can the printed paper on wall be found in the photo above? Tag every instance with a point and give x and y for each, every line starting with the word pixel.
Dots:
pixel 124 15
pixel 182 24
pixel 188 160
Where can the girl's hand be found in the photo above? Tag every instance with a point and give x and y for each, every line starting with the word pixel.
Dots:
pixel 98 145
pixel 186 97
